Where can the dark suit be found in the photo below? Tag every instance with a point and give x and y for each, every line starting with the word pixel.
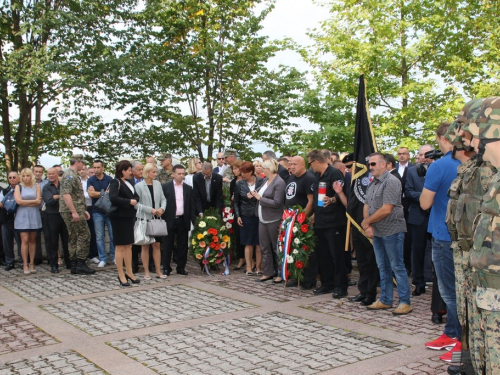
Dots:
pixel 203 202
pixel 178 226
pixel 283 172
pixel 136 249
pixel 406 204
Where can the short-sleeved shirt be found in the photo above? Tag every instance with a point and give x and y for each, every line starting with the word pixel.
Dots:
pixel 333 215
pixel 386 189
pixel 71 184
pixel 438 179
pixel 298 188
pixel 99 185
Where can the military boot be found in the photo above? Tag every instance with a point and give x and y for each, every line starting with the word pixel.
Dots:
pixel 83 268
pixel 73 266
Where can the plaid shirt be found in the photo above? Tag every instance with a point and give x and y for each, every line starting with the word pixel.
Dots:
pixel 386 190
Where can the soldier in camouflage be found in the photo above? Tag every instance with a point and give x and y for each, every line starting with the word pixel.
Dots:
pixel 165 172
pixel 73 211
pixel 485 254
pixel 465 194
pixel 230 156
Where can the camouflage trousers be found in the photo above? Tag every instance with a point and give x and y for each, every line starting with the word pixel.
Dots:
pixel 78 236
pixel 491 326
pixel 463 291
pixel 476 335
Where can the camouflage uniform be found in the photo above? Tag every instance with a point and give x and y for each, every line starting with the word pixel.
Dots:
pixel 78 232
pixel 485 254
pixel 163 176
pixel 228 173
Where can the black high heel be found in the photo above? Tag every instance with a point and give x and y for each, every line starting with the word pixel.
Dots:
pixel 123 284
pixel 241 267
pixel 136 281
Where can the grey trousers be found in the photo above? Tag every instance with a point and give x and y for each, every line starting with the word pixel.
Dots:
pixel 268 236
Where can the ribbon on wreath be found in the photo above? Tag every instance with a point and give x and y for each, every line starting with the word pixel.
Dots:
pixel 205 262
pixel 289 217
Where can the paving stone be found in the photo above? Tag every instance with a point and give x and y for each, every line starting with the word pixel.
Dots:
pixel 421 368
pixel 49 364
pixel 253 357
pixel 116 313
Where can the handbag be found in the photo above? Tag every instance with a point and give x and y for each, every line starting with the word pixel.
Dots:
pixel 156 227
pixel 103 204
pixel 140 236
pixel 9 203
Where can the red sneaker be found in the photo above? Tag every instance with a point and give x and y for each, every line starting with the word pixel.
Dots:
pixel 443 342
pixel 448 355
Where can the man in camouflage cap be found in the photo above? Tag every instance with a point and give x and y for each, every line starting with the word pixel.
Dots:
pixel 73 211
pixel 465 194
pixel 485 254
pixel 165 172
pixel 230 156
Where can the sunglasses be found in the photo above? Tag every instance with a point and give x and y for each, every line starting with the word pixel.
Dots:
pixel 374 163
pixel 220 158
pixel 12 177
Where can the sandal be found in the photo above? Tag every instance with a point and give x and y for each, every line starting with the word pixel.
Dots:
pixel 161 276
pixel 249 273
pixel 259 273
pixel 147 277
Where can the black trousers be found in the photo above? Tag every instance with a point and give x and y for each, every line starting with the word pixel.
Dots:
pixel 136 250
pixel 331 257
pixel 46 237
pixel 419 243
pixel 178 232
pixel 369 275
pixel 57 228
pixel 93 253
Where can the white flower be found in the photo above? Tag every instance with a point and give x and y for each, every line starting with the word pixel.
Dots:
pixel 227 209
pixel 280 248
pixel 202 224
pixel 222 228
pixel 211 218
pixel 295 251
pixel 224 220
pixel 229 225
pixel 296 241
pixel 230 217
pixel 289 259
pixel 295 229
pixel 205 233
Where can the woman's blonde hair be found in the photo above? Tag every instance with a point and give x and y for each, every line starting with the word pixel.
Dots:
pixel 271 164
pixel 28 172
pixel 257 162
pixel 192 165
pixel 147 168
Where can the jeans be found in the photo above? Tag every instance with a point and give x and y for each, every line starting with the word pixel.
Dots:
pixel 389 253
pixel 99 221
pixel 442 256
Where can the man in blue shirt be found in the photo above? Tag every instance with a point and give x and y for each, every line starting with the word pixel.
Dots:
pixel 438 180
pixel 100 181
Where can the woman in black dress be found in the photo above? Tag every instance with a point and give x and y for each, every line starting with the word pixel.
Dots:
pixel 240 249
pixel 122 216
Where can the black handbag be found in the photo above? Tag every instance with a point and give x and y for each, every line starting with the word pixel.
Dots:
pixel 103 204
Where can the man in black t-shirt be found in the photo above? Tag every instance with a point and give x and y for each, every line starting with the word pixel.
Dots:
pixel 300 185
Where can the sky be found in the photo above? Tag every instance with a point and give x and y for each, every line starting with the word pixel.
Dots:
pixel 289 19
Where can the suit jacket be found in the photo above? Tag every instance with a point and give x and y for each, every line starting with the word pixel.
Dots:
pixel 283 172
pixel 143 191
pixel 200 192
pixel 403 177
pixel 120 196
pixel 413 189
pixel 272 202
pixel 189 206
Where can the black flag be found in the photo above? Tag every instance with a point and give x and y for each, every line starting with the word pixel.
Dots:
pixel 364 145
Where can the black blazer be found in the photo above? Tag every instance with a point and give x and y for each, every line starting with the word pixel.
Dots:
pixel 200 193
pixel 413 189
pixel 283 172
pixel 120 196
pixel 189 207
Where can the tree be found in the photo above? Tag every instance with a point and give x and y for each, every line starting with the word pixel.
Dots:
pixel 419 59
pixel 53 55
pixel 194 78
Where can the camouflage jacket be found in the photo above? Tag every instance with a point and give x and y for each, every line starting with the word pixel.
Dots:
pixel 228 173
pixel 72 184
pixel 466 193
pixel 485 255
pixel 163 176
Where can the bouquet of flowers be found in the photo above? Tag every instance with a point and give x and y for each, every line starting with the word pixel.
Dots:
pixel 228 218
pixel 295 243
pixel 210 242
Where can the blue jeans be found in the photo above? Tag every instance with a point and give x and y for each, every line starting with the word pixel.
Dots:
pixel 442 256
pixel 99 221
pixel 389 252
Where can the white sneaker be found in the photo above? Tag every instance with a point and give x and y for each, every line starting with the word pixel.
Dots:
pixel 95 260
pixel 101 264
pixel 114 261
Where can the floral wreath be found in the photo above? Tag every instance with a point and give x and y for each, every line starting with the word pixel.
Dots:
pixel 295 243
pixel 210 242
pixel 228 219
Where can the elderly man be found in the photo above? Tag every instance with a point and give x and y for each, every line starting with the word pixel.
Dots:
pixel 384 222
pixel 207 188
pixel 221 167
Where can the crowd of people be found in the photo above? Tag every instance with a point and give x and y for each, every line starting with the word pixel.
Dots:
pixel 418 221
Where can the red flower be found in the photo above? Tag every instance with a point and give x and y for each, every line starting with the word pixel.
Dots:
pixel 306 248
pixel 304 228
pixel 299 264
pixel 218 261
pixel 282 235
pixel 219 254
pixel 301 217
pixel 212 245
pixel 215 239
pixel 204 261
pixel 231 230
pixel 288 274
pixel 215 231
pixel 217 247
pixel 231 221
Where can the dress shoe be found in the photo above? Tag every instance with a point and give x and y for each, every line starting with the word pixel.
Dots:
pixel 377 305
pixel 182 272
pixel 360 297
pixel 437 318
pixel 368 301
pixel 54 269
pixel 9 267
pixel 339 293
pixel 351 282
pixel 167 272
pixel 308 286
pixel 136 281
pixel 418 291
pixel 323 290
pixel 123 284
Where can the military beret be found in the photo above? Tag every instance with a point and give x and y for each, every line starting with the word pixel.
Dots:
pixel 348 158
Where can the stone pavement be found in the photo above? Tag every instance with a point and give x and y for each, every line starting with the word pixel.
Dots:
pixel 67 324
